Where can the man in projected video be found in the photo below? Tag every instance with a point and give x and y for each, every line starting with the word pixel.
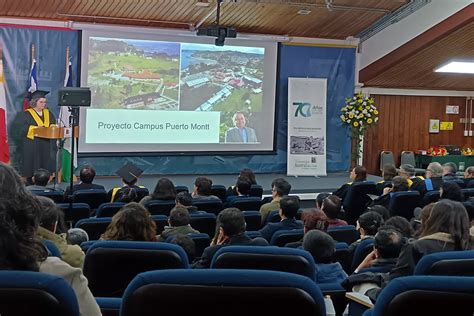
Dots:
pixel 240 133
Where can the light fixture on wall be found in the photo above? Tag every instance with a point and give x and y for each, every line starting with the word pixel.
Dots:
pixel 457 66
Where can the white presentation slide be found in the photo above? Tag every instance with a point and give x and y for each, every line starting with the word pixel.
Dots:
pixel 175 94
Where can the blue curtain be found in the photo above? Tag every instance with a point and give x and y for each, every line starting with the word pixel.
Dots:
pixel 50 52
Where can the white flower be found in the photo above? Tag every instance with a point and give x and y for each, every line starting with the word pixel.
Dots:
pixel 364 111
pixel 368 115
pixel 376 119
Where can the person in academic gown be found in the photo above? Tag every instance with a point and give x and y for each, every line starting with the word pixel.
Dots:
pixel 37 152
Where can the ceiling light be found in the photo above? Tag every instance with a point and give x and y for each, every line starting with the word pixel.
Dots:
pixel 203 3
pixel 462 67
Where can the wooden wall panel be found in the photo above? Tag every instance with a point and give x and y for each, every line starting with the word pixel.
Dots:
pixel 403 125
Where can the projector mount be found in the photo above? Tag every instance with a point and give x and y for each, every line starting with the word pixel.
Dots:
pixel 215 30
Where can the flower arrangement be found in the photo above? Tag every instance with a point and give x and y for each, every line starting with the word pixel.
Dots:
pixel 467 151
pixel 437 151
pixel 359 113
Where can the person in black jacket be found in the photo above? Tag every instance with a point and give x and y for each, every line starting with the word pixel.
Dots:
pixel 230 230
pixel 358 174
pixel 87 175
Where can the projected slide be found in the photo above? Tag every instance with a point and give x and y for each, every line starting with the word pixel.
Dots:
pixel 150 92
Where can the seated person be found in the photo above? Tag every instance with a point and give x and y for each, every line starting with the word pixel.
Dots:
pixel 86 175
pixel 289 206
pixel 451 190
pixel 469 177
pixel 240 133
pixel 320 198
pixel 312 219
pixel 367 225
pixel 129 174
pixel 245 173
pixel 322 247
pixel 230 230
pixel 388 243
pixel 184 199
pixel 185 242
pixel 332 207
pixel 178 224
pixel 381 210
pixel 358 174
pixel 242 188
pixel 401 224
pixel 202 190
pixel 408 172
pixel 165 190
pixel 76 236
pixel 133 222
pixel 449 171
pixel 53 228
pixel 399 184
pixel 388 172
pixel 126 195
pixel 41 178
pixel 433 179
pixel 280 187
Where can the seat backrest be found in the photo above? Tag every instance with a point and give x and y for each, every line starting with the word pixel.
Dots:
pixel 253 220
pixel 93 197
pixel 345 233
pixel 282 237
pixel 403 203
pixel 219 190
pixel 407 157
pixel 56 196
pixel 273 217
pixel 459 182
pixel 161 221
pixel 109 209
pixel 36 294
pixel 256 190
pixel 201 242
pixel 110 265
pixel 209 206
pixel 253 234
pixel 356 200
pixel 292 260
pixel 250 203
pixel 212 291
pixel 342 255
pixel 181 188
pixel 160 207
pixel 94 226
pixel 52 248
pixel 469 192
pixel 426 295
pixel 79 211
pixel 430 197
pixel 386 158
pixel 141 193
pixel 204 223
pixel 456 263
pixel 362 250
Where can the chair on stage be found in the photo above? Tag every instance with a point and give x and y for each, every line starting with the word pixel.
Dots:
pixel 408 157
pixel 386 158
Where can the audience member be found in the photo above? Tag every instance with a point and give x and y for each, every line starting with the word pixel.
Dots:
pixel 358 174
pixel 186 243
pixel 230 230
pixel 53 228
pixel 133 222
pixel 399 184
pixel 289 206
pixel 280 187
pixel 449 171
pixel 388 172
pixel 164 190
pixel 202 190
pixel 41 178
pixel 433 179
pixel 320 198
pixel 331 206
pixel 381 210
pixel 402 225
pixel 184 199
pixel 388 243
pixel 408 172
pixel 242 189
pixel 86 175
pixel 367 225
pixel 451 190
pixel 76 236
pixel 312 218
pixel 322 247
pixel 21 249
pixel 126 195
pixel 129 174
pixel 244 173
pixel 178 221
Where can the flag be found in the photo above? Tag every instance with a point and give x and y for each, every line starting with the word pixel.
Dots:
pixel 4 148
pixel 64 115
pixel 33 83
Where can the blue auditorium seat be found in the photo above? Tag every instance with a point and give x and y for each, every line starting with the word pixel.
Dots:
pixel 109 209
pixel 430 197
pixel 256 190
pixel 93 197
pixel 365 247
pixel 53 250
pixel 253 220
pixel 220 191
pixel 282 237
pixel 455 263
pixel 345 233
pixel 210 206
pixel 204 223
pixel 79 211
pixel 403 203
pixel 160 207
pixel 247 203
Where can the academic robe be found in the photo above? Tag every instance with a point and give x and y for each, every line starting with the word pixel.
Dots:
pixel 38 152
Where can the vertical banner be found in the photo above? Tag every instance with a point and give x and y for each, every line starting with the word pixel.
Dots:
pixel 306 127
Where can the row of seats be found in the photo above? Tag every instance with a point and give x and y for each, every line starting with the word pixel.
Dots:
pixel 95 197
pixel 213 290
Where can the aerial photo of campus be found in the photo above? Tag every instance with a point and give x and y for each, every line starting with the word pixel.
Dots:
pixel 133 74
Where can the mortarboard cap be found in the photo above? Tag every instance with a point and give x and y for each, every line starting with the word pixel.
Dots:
pixel 37 94
pixel 129 172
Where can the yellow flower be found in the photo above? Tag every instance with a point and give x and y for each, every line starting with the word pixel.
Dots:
pixel 376 112
pixel 356 124
pixel 369 121
pixel 351 115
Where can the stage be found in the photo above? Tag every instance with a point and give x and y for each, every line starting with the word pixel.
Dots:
pixel 305 187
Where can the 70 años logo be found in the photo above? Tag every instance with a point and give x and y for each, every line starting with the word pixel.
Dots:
pixel 306 110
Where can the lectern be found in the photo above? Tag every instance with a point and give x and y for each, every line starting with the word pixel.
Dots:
pixel 55 132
